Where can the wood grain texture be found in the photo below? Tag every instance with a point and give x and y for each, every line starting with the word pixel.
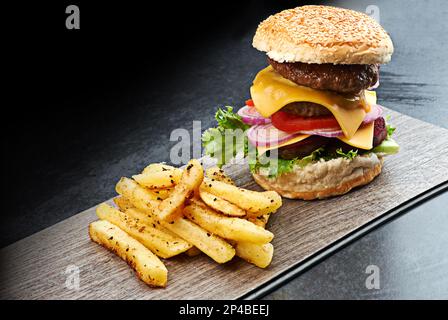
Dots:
pixel 34 268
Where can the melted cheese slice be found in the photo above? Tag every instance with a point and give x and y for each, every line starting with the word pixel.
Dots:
pixel 271 92
pixel 363 138
pixel 370 97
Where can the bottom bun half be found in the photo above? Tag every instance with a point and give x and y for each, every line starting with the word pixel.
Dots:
pixel 324 179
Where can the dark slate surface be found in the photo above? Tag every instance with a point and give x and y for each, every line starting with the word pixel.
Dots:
pixel 103 102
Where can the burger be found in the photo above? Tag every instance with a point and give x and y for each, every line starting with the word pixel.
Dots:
pixel 313 106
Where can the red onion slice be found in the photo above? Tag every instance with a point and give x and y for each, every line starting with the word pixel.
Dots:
pixel 376 85
pixel 375 112
pixel 329 133
pixel 267 135
pixel 251 116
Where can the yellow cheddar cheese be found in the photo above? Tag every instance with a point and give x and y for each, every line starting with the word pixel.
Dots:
pixel 271 92
pixel 363 138
pixel 370 97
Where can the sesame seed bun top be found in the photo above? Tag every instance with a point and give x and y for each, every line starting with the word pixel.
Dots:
pixel 323 34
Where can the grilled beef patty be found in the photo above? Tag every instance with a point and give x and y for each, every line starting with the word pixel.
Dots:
pixel 306 109
pixel 342 78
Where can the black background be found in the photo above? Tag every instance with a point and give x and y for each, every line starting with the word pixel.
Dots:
pixel 75 92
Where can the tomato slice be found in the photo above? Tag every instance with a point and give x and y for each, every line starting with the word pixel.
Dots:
pixel 291 123
pixel 250 103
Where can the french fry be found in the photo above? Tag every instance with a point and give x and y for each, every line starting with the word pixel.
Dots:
pixel 191 179
pixel 221 205
pixel 123 203
pixel 157 167
pixel 158 177
pixel 162 194
pixel 260 202
pixel 193 252
pixel 226 227
pixel 163 244
pixel 213 246
pixel 219 175
pixel 259 219
pixel 148 220
pixel 255 253
pixel 140 197
pixel 215 173
pixel 144 218
pixel 148 266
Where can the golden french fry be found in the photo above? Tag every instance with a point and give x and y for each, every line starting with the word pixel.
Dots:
pixel 162 194
pixel 221 205
pixel 191 179
pixel 215 173
pixel 157 167
pixel 255 253
pixel 148 220
pixel 253 201
pixel 148 266
pixel 227 227
pixel 213 246
pixel 259 219
pixel 123 203
pixel 140 197
pixel 193 251
pixel 159 174
pixel 163 244
pixel 219 175
pixel 158 179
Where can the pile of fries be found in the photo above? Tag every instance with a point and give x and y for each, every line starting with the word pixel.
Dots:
pixel 166 211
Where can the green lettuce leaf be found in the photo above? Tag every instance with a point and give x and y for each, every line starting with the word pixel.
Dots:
pixel 286 166
pixel 348 155
pixel 227 119
pixel 228 122
pixel 390 131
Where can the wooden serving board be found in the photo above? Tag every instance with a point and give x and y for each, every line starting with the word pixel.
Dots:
pixel 35 267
